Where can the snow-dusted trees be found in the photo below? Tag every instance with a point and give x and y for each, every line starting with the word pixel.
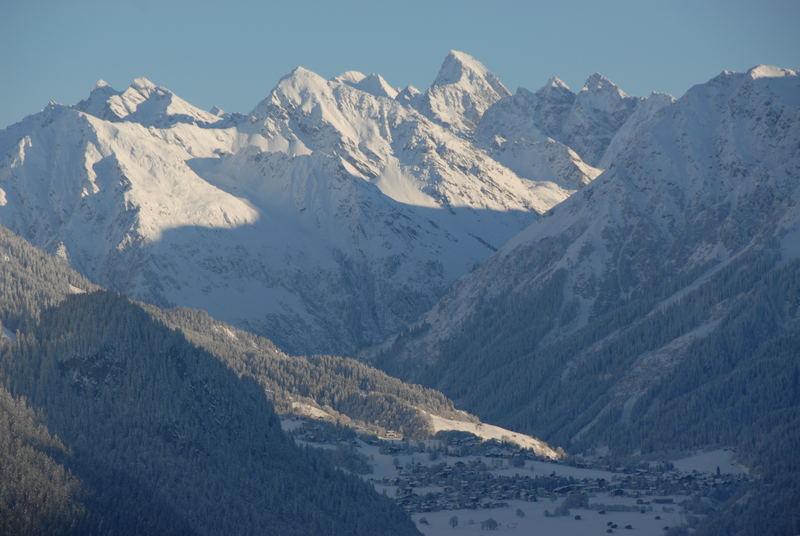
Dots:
pixel 357 392
pixel 37 494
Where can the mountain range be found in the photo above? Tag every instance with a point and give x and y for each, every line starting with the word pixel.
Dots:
pixel 328 218
pixel 611 273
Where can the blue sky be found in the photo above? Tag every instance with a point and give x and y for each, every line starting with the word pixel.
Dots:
pixel 231 53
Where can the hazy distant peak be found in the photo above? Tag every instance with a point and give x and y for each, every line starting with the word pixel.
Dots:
pixel 658 96
pixel 101 91
pixel 100 84
pixel 556 83
pixel 555 88
pixel 597 82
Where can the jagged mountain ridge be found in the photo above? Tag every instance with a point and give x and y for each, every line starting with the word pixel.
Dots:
pixel 144 103
pixel 329 217
pixel 556 125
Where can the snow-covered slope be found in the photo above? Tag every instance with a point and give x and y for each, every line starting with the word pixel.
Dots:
pixel 408 96
pixel 583 124
pixel 516 131
pixel 373 84
pixel 533 116
pixel 329 217
pixel 489 431
pixel 552 105
pixel 610 292
pixel 599 110
pixel 408 158
pixel 89 189
pixel 645 111
pixel 557 135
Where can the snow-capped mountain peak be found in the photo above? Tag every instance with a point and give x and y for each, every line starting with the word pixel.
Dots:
pixel 97 102
pixel 145 85
pixel 461 68
pixel 295 86
pixel 408 96
pixel 462 91
pixel 299 77
pixel 555 83
pixel 349 77
pixel 597 81
pixel 142 102
pixel 551 105
pixel 769 71
pixel 381 141
pixel 599 110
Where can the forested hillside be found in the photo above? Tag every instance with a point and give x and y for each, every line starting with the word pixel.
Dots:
pixel 118 425
pixel 31 281
pixel 37 494
pixel 345 389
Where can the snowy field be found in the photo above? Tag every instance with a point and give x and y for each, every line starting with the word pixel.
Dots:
pixel 489 431
pixel 707 462
pixel 535 522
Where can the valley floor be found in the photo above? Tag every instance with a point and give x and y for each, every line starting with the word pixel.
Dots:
pixel 461 485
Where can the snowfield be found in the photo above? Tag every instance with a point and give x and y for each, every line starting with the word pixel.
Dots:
pixel 489 431
pixel 536 522
pixel 708 462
